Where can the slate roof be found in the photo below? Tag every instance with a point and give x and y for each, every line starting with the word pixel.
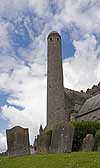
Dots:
pixel 90 105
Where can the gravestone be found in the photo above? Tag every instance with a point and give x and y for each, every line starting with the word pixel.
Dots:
pixel 62 138
pixel 42 143
pixel 88 143
pixel 18 141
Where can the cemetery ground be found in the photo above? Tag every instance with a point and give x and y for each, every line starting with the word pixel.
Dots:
pixel 68 160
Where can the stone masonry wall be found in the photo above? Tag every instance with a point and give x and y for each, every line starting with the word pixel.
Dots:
pixel 55 89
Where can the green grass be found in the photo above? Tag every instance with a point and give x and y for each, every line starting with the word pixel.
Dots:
pixel 72 160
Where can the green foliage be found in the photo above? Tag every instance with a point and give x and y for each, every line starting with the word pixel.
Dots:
pixel 49 132
pixel 81 130
pixel 97 136
pixel 70 160
pixel 97 139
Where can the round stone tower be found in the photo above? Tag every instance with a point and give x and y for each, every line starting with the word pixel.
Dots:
pixel 55 89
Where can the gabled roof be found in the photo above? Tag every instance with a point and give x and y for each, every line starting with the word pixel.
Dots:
pixel 91 105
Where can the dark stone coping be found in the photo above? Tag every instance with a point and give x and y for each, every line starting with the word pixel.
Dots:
pixel 16 128
pixel 87 112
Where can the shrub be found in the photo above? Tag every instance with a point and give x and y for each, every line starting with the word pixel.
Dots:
pixel 49 132
pixel 97 139
pixel 97 136
pixel 83 128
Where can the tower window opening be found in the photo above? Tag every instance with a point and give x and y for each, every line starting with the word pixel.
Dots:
pixel 49 86
pixel 51 39
pixel 57 39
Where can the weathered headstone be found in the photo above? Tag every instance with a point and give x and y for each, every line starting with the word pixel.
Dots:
pixel 18 141
pixel 43 143
pixel 88 143
pixel 62 138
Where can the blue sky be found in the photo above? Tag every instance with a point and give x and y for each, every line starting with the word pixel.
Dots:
pixel 24 27
pixel 19 38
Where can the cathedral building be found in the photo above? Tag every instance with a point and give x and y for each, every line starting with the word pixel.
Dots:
pixel 64 104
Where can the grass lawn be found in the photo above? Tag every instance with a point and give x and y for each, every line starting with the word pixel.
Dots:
pixel 72 160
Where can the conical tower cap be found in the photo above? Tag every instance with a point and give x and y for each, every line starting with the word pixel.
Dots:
pixel 54 33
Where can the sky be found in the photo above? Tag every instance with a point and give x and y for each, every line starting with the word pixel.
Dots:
pixel 24 27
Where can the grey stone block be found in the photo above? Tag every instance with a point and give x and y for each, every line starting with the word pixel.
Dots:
pixel 62 138
pixel 88 143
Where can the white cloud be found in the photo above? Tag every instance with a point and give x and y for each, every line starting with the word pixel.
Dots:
pixel 82 71
pixel 40 7
pixel 28 88
pixel 4 40
pixel 12 9
pixel 3 144
pixel 81 14
pixel 28 85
